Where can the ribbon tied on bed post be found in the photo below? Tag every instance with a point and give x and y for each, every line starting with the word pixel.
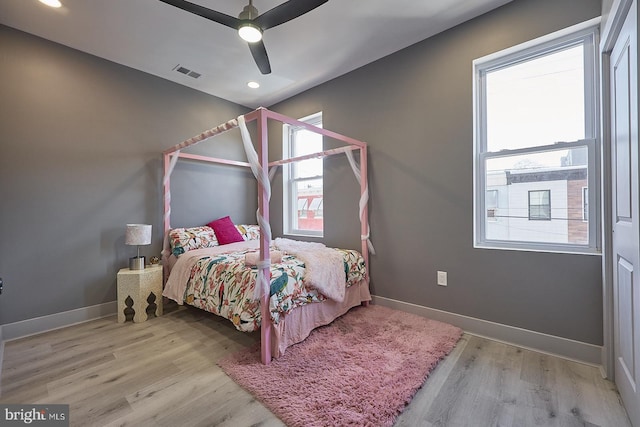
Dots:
pixel 262 288
pixel 364 199
pixel 170 164
pixel 263 178
pixel 170 160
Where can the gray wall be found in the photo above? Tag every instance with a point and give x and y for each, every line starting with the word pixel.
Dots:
pixel 414 108
pixel 80 144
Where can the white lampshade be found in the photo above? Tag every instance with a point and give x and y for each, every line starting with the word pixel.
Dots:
pixel 138 234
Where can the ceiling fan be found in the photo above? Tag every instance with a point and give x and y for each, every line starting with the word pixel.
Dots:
pixel 250 25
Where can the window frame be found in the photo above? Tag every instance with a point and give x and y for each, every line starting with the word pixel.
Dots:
pixel 289 182
pixel 587 34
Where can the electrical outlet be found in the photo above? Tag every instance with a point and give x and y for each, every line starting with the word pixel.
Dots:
pixel 442 278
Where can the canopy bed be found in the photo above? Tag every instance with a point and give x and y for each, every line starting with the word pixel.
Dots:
pixel 299 314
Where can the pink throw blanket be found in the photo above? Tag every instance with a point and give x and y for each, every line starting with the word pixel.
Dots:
pixel 324 267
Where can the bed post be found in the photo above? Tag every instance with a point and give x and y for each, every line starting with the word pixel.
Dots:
pixel 263 208
pixel 364 221
pixel 166 194
pixel 166 216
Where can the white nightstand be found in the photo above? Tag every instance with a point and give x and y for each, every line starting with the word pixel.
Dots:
pixel 141 286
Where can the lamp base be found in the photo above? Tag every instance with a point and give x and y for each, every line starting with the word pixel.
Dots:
pixel 136 263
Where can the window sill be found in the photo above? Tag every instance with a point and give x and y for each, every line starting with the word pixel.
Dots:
pixel 545 249
pixel 303 234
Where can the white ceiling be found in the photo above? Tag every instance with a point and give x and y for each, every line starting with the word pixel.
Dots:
pixel 154 37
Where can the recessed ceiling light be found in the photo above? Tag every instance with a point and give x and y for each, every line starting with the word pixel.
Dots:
pixel 253 85
pixel 52 3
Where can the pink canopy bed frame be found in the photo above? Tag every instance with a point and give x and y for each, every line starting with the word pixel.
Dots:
pixel 261 116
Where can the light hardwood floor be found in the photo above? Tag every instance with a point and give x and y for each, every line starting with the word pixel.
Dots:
pixel 163 372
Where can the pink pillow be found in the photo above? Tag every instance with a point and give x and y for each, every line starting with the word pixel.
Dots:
pixel 226 231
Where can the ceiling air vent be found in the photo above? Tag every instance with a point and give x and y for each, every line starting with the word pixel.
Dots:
pixel 179 68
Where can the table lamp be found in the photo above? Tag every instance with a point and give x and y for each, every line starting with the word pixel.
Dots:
pixel 137 234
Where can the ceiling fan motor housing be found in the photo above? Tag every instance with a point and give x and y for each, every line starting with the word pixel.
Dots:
pixel 248 13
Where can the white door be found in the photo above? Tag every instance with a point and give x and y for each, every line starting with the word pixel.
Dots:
pixel 626 235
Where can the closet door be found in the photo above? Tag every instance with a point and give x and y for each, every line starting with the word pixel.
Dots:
pixel 626 236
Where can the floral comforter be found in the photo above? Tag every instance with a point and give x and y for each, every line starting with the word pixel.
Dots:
pixel 219 282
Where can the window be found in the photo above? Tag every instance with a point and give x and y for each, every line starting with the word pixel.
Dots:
pixel 540 205
pixel 535 147
pixel 303 196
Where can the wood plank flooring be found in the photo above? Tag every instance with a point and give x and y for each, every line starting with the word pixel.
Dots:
pixel 163 372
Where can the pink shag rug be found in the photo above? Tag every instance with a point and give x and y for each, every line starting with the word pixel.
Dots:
pixel 361 370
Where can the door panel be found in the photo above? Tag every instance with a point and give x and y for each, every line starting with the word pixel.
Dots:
pixel 625 202
pixel 622 144
pixel 625 299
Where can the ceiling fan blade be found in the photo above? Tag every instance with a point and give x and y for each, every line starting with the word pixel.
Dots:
pixel 259 53
pixel 221 18
pixel 286 12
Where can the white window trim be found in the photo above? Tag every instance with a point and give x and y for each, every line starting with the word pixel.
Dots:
pixel 288 183
pixel 543 45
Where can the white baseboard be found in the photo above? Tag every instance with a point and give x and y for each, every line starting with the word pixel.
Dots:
pixel 557 346
pixel 37 325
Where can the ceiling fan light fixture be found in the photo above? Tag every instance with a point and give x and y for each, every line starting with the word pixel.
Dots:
pixel 51 3
pixel 250 32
